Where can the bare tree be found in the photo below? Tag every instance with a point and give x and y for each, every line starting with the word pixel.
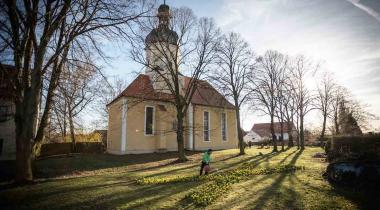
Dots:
pixel 109 88
pixel 265 88
pixel 289 106
pixel 345 105
pixel 301 70
pixel 38 35
pixel 234 65
pixel 77 90
pixel 338 96
pixel 178 44
pixel 325 98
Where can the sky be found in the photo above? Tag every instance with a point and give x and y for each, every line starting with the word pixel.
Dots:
pixel 344 35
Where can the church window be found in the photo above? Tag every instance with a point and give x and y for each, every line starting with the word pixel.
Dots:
pixel 149 120
pixel 206 126
pixel 224 126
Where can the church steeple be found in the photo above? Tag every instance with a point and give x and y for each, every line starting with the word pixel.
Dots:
pixel 161 47
pixel 162 33
pixel 163 15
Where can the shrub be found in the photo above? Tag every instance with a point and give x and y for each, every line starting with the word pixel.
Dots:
pixel 353 147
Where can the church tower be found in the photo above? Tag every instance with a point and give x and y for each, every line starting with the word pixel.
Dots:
pixel 161 49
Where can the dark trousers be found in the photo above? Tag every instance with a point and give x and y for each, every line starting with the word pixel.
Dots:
pixel 202 166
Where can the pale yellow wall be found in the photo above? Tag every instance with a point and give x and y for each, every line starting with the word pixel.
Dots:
pixel 114 127
pixel 216 141
pixel 164 137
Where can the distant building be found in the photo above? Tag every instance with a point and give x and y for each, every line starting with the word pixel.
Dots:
pixel 7 112
pixel 261 132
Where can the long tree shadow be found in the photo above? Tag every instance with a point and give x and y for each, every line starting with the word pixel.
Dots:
pixel 261 201
pixel 141 198
pixel 182 168
pixel 54 167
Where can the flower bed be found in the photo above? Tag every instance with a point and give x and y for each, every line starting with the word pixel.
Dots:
pixel 220 182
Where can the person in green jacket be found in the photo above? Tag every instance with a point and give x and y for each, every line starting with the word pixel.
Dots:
pixel 205 161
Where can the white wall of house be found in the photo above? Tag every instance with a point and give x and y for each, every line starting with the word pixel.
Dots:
pixel 252 136
pixel 286 136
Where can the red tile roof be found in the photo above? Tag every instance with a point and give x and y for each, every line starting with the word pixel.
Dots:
pixel 205 94
pixel 263 129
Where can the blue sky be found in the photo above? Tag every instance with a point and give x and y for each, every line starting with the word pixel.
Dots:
pixel 342 34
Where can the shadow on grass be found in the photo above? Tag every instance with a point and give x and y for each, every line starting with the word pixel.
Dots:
pixel 143 197
pixel 53 167
pixel 273 189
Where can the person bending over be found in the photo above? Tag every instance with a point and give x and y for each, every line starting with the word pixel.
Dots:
pixel 205 161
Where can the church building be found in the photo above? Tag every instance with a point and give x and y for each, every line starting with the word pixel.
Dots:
pixel 142 119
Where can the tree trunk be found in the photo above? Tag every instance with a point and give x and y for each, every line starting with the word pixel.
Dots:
pixel 72 133
pixel 298 132
pixel 180 139
pixel 336 123
pixel 273 133
pixel 323 127
pixel 24 142
pixel 282 135
pixel 24 158
pixel 290 133
pixel 240 135
pixel 302 134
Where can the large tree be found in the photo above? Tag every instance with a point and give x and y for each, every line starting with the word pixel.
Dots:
pixel 234 63
pixel 325 98
pixel 289 106
pixel 266 82
pixel 302 69
pixel 77 89
pixel 36 37
pixel 180 44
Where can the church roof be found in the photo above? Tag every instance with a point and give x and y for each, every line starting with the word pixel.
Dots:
pixel 205 94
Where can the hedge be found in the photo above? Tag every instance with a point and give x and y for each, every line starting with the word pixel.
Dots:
pixel 65 148
pixel 366 147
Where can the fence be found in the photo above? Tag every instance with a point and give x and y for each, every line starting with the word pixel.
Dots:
pixel 65 148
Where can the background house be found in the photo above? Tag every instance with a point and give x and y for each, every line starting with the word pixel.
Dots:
pixel 261 132
pixel 7 111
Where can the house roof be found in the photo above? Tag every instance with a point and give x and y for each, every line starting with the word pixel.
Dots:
pixel 205 94
pixel 263 129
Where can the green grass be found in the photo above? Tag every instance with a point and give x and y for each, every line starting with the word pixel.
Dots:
pixel 110 182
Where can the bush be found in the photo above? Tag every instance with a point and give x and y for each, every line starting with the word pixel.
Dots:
pixel 353 148
pixel 65 148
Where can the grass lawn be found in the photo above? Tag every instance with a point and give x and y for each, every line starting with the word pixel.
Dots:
pixel 109 182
